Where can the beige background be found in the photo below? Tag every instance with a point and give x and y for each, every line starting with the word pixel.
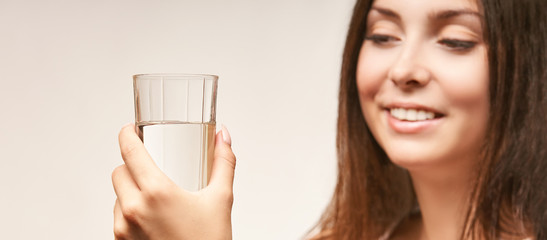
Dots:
pixel 65 75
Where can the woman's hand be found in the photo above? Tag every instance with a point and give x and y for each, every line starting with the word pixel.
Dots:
pixel 151 206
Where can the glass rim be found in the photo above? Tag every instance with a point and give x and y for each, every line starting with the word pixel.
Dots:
pixel 182 75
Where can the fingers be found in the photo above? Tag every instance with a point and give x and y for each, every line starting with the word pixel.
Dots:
pixel 125 187
pixel 224 162
pixel 138 161
pixel 124 229
pixel 121 227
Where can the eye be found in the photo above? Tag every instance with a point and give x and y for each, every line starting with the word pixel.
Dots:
pixel 457 45
pixel 381 39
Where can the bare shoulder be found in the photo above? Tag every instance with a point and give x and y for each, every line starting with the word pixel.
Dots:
pixel 409 228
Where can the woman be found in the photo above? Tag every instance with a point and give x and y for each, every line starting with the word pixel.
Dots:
pixel 472 169
pixel 440 134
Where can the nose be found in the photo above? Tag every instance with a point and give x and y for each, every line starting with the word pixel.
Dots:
pixel 409 70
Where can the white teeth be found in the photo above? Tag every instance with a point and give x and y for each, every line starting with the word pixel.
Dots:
pixel 411 114
pixel 421 116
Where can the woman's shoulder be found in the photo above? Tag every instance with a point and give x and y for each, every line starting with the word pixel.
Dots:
pixel 407 228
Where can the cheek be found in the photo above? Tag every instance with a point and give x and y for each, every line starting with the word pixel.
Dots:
pixel 372 69
pixel 464 86
pixel 465 83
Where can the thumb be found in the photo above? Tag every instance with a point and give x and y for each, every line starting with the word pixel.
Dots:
pixel 224 161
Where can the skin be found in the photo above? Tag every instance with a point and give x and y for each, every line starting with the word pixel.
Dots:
pixel 427 54
pixel 150 206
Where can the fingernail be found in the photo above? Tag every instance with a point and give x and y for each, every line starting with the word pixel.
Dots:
pixel 226 135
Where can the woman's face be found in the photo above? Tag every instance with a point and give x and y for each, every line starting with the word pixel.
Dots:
pixel 422 77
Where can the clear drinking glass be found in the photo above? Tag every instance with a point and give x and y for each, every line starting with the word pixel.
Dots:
pixel 175 118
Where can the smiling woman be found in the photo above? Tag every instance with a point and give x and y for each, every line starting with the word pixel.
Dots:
pixel 441 122
pixel 413 72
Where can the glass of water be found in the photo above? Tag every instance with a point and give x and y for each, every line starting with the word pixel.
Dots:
pixel 175 118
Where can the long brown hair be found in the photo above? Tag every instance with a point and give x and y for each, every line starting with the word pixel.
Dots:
pixel 509 197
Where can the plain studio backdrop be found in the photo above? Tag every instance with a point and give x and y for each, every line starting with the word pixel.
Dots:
pixel 66 89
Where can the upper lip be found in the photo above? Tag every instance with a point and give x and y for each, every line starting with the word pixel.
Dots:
pixel 409 105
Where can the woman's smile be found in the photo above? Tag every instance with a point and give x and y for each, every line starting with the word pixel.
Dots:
pixel 411 118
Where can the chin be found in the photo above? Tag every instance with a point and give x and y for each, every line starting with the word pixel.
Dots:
pixel 414 158
pixel 409 163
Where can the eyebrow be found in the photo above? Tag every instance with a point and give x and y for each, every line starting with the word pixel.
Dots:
pixel 446 14
pixel 387 12
pixel 440 15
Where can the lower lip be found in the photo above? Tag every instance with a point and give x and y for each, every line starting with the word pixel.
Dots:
pixel 410 127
